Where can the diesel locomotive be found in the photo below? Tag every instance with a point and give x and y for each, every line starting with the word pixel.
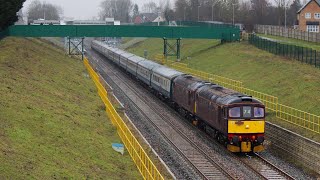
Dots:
pixel 235 119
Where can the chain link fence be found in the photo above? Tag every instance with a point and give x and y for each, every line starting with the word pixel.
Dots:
pixel 302 54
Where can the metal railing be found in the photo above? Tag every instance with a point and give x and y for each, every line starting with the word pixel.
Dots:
pixel 299 53
pixel 271 102
pixel 299 118
pixel 145 165
pixel 289 114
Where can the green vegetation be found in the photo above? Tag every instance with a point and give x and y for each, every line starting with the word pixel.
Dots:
pixel 9 11
pixel 296 84
pixel 190 47
pixel 52 123
pixel 291 41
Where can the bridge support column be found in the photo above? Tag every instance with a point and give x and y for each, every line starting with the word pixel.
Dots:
pixel 172 49
pixel 75 46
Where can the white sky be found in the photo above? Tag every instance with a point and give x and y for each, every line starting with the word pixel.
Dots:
pixel 81 9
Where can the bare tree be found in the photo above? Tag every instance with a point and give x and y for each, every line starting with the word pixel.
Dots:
pixel 150 7
pixel 47 11
pixel 168 12
pixel 118 9
pixel 282 6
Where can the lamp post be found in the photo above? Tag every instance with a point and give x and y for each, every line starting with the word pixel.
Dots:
pixel 198 12
pixel 184 14
pixel 44 11
pixel 285 16
pixel 212 12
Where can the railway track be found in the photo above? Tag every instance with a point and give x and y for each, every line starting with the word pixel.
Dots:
pixel 265 168
pixel 205 166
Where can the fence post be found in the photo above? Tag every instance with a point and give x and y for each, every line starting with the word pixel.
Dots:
pixel 315 59
pixel 314 56
pixel 298 48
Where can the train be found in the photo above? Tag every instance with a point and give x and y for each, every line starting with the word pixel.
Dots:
pixel 236 120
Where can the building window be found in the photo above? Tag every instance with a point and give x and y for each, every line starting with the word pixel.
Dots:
pixel 312 28
pixel 308 15
pixel 317 15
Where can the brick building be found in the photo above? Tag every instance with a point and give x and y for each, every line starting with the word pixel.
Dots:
pixel 309 16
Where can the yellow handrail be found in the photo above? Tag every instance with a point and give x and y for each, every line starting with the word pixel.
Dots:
pixel 145 165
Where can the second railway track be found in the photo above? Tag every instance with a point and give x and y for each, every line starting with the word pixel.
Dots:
pixel 264 167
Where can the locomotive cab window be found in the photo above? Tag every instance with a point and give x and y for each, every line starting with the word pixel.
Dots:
pixel 234 112
pixel 258 112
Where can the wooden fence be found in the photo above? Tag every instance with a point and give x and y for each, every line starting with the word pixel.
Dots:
pixel 287 32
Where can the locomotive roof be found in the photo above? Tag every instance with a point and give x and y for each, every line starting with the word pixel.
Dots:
pixel 224 96
pixel 189 81
pixel 166 72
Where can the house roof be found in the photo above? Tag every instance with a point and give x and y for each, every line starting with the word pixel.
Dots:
pixel 317 1
pixel 148 17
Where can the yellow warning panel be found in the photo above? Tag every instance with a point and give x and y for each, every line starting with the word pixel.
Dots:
pixel 248 126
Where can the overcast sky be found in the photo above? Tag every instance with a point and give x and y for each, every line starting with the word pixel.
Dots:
pixel 81 9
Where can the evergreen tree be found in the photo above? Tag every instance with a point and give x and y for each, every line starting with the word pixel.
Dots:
pixel 8 12
pixel 292 14
pixel 135 11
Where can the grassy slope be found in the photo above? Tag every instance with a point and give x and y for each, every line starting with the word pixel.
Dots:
pixel 190 48
pixel 52 122
pixel 296 84
pixel 297 42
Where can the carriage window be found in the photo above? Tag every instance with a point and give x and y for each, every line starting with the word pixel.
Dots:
pixel 234 112
pixel 247 111
pixel 258 112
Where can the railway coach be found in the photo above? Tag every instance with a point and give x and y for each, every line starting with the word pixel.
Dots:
pixel 235 119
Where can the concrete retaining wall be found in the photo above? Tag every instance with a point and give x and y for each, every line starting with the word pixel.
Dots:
pixel 294 147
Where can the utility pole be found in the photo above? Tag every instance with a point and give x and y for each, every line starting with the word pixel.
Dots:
pixel 233 13
pixel 198 12
pixel 184 14
pixel 212 12
pixel 44 11
pixel 285 16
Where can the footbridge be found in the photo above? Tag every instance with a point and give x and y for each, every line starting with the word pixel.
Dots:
pixel 225 33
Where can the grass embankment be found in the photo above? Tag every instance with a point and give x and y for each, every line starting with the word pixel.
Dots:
pixel 291 41
pixel 52 122
pixel 190 47
pixel 296 84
